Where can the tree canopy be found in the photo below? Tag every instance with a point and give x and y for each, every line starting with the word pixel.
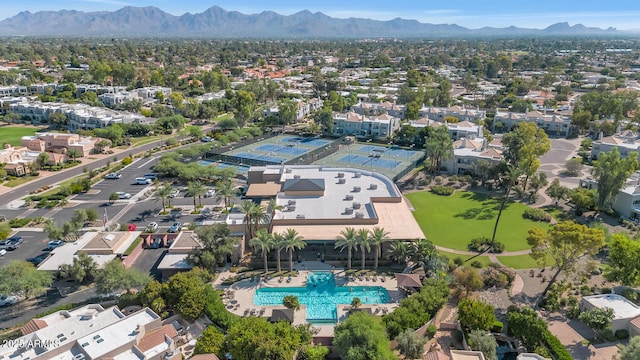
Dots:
pixel 114 277
pixel 362 336
pixel 611 172
pixel 217 244
pixel 21 277
pixel 623 264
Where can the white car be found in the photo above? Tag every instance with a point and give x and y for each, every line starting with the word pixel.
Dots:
pixel 113 176
pixel 54 244
pixel 8 300
pixel 152 227
pixel 123 195
pixel 2 252
pixel 174 193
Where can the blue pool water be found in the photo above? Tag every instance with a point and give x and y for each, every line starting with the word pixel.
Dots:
pixel 321 296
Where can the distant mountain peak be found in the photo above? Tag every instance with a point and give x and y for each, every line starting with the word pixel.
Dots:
pixel 216 22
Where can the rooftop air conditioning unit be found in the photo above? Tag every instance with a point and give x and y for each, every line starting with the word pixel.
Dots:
pixel 296 176
pixel 291 202
pixel 291 207
pixel 356 189
pixel 373 186
pixel 340 175
pixel 300 216
pixel 357 175
pixel 359 215
pixel 287 170
pixel 349 197
pixel 356 205
pixel 348 211
pixel 79 356
pixel 342 181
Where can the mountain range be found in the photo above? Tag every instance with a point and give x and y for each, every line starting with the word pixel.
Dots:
pixel 217 23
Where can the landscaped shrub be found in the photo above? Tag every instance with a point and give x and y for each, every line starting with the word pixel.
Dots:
pixel 432 329
pixel 478 244
pixel 558 350
pixel 621 334
pixel 19 222
pixel 605 290
pixel 494 277
pixel 536 214
pixel 458 260
pixel 476 264
pixel 442 190
pixel 497 248
pixel 630 294
pixel 216 310
pixel 128 300
pixel 126 161
pixel 497 327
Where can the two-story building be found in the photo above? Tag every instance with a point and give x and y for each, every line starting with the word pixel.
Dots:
pixel 378 127
pixel 61 143
pixel 552 124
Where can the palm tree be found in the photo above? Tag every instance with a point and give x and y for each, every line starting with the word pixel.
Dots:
pixel 196 189
pixel 347 239
pixel 278 244
pixel 246 206
pixel 399 252
pixel 292 242
pixel 378 237
pixel 364 243
pixel 273 207
pixel 163 193
pixel 226 189
pixel 258 216
pixel 264 242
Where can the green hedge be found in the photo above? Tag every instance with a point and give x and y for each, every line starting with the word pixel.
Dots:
pixel 19 222
pixel 133 246
pixel 217 311
pixel 536 215
pixel 558 350
pixel 442 190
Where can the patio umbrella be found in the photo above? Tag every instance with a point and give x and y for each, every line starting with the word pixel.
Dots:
pixel 408 280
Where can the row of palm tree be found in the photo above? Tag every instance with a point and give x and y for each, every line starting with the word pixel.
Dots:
pixel 363 239
pixel 289 240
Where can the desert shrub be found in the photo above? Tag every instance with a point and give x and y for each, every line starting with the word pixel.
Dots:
pixel 621 334
pixel 476 264
pixel 536 214
pixel 442 190
pixel 458 261
pixel 494 277
pixel 126 161
pixel 605 290
pixel 432 329
pixel 630 294
pixel 19 222
pixel 497 248
pixel 478 244
pixel 497 327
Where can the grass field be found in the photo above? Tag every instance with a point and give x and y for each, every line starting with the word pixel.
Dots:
pixel 12 134
pixel 452 221
pixel 518 261
pixel 484 260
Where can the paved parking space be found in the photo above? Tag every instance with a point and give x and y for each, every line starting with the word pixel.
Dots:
pixel 34 244
pixel 149 260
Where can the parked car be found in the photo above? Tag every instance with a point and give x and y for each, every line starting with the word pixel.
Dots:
pixel 11 243
pixel 2 252
pixel 8 300
pixel 152 227
pixel 54 244
pixel 113 176
pixel 143 181
pixel 151 176
pixel 174 193
pixel 175 227
pixel 36 260
pixel 207 139
pixel 123 195
pixel 210 193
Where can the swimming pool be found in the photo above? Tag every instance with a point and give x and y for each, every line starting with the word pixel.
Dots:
pixel 321 296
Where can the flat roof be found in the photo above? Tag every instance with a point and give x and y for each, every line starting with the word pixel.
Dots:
pixel 66 253
pixel 174 261
pixel 267 189
pixel 622 308
pixel 466 355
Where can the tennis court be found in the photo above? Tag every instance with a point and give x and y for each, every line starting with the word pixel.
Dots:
pixel 392 161
pixel 270 158
pixel 278 149
pixel 289 150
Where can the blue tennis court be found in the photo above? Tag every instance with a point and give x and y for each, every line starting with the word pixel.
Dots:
pixel 407 154
pixel 355 159
pixel 316 143
pixel 371 149
pixel 282 149
pixel 273 159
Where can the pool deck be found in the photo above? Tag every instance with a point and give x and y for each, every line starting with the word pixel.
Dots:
pixel 239 296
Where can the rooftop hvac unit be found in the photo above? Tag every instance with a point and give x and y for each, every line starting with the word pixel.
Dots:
pixel 342 181
pixel 373 186
pixel 291 202
pixel 296 176
pixel 356 189
pixel 359 215
pixel 340 175
pixel 79 356
pixel 287 170
pixel 300 216
pixel 356 205
pixel 348 211
pixel 357 175
pixel 291 208
pixel 349 197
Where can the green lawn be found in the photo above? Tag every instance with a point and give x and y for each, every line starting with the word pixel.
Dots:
pixel 484 260
pixel 12 134
pixel 452 221
pixel 518 262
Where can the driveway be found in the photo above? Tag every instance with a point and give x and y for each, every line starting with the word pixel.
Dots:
pixel 572 334
pixel 553 162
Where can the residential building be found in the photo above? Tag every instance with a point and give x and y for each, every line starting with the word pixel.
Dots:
pixel 92 332
pixel 373 108
pixel 58 142
pixel 466 355
pixel 460 112
pixel 627 200
pixel 461 130
pixel 552 124
pixel 625 141
pixel 17 160
pixel 468 154
pixel 13 90
pixel 351 123
pixel 626 314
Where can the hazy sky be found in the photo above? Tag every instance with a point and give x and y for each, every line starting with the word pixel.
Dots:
pixel 622 14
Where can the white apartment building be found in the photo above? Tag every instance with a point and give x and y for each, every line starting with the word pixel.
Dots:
pixel 625 141
pixel 373 108
pixel 461 113
pixel 465 129
pixel 351 123
pixel 552 124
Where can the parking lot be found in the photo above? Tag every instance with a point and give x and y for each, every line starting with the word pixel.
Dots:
pixel 35 242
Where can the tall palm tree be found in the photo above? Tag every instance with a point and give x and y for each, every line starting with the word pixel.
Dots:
pixel 347 239
pixel 273 207
pixel 263 242
pixel 226 189
pixel 198 189
pixel 293 241
pixel 259 216
pixel 364 243
pixel 163 193
pixel 192 190
pixel 246 206
pixel 378 237
pixel 278 244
